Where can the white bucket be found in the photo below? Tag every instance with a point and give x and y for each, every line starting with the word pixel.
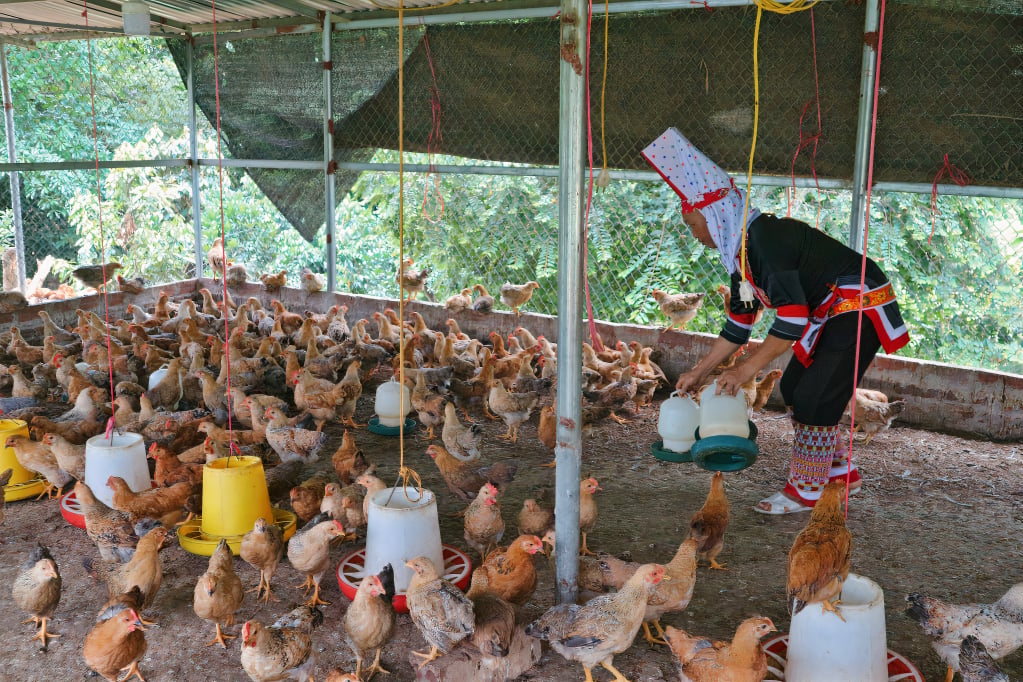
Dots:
pixel 124 455
pixel 677 422
pixel 404 529
pixel 822 647
pixel 157 376
pixel 723 415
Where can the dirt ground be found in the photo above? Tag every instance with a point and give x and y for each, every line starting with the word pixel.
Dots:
pixel 938 514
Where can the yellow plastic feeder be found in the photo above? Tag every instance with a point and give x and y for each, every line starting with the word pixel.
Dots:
pixel 23 483
pixel 234 495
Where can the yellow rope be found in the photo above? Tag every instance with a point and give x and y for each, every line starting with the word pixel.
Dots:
pixel 778 8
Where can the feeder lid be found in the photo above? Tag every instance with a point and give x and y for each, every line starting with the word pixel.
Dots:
pixel 662 453
pixel 21 491
pixel 376 427
pixel 726 453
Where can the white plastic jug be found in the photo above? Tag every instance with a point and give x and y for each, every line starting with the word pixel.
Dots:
pixel 157 376
pixel 824 647
pixel 723 415
pixel 124 456
pixel 677 422
pixel 400 527
pixel 391 398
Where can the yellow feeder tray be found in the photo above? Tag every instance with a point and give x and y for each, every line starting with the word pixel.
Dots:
pixel 193 539
pixel 24 490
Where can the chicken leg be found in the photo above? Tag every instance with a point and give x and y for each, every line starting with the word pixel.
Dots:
pixel 949 674
pixel 648 636
pixel 315 600
pixel 133 670
pixel 373 669
pixel 433 654
pixel 219 639
pixel 614 671
pixel 584 550
pixel 828 605
pixel 42 634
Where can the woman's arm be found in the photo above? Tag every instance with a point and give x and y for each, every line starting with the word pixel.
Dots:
pixel 719 351
pixel 731 380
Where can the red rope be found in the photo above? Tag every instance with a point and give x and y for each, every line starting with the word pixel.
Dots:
pixel 594 336
pixel 863 259
pixel 815 138
pixel 433 143
pixel 99 213
pixel 958 177
pixel 223 240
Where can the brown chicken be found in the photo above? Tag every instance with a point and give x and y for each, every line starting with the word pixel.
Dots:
pixel 309 553
pixel 484 302
pixel 274 282
pixel 307 496
pixel 70 457
pixel 428 404
pixel 37 589
pixel 587 510
pixel 110 530
pixel 484 526
pixel 615 395
pixel 679 308
pixel 873 417
pixel 170 470
pixel 219 592
pixel 263 547
pixel 708 524
pixel 116 643
pixel 439 610
pixel 349 461
pixel 593 633
pixel 547 429
pixel 534 519
pixel 36 456
pixel 461 441
pixel 95 276
pixel 998 625
pixel 764 388
pixel 460 301
pixel 517 295
pixel 705 660
pixel 282 651
pixel 513 408
pixel 135 285
pixel 464 479
pixel 148 504
pixel 510 573
pixel 411 280
pixel 369 620
pixel 819 558
pixel 674 592
pixel 144 571
pixel 493 620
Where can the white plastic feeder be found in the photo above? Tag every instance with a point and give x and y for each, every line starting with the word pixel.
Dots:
pixel 401 527
pixel 157 376
pixel 677 422
pixel 391 398
pixel 723 415
pixel 123 455
pixel 823 647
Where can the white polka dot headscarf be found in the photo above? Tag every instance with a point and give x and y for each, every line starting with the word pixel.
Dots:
pixel 703 186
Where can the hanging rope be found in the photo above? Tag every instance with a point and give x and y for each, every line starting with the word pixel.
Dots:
pixel 223 244
pixel 432 144
pixel 591 323
pixel 863 259
pixel 604 179
pixel 745 288
pixel 815 138
pixel 958 177
pixel 99 213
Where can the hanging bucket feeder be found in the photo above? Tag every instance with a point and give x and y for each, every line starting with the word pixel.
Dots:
pixel 677 422
pixel 234 495
pixel 122 455
pixel 393 402
pixel 726 438
pixel 23 483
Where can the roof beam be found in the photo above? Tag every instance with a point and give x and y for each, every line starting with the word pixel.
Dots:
pixel 298 8
pixel 153 18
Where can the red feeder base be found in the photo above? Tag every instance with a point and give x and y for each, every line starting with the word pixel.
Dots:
pixel 71 510
pixel 457 569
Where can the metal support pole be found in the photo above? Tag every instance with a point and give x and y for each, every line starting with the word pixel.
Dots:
pixel 863 125
pixel 12 157
pixel 571 232
pixel 328 157
pixel 193 151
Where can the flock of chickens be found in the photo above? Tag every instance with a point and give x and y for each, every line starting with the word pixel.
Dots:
pixel 290 374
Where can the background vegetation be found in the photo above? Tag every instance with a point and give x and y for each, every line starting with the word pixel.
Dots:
pixel 959 293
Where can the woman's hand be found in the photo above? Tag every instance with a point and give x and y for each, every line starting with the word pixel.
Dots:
pixel 732 380
pixel 690 381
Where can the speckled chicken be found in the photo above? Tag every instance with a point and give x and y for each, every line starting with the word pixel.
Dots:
pixel 461 441
pixel 464 479
pixel 218 592
pixel 493 620
pixel 999 626
pixel 428 404
pixel 263 547
pixel 679 308
pixel 976 664
pixel 706 660
pixel 292 442
pixel 309 553
pixel 36 590
pixel 412 281
pixel 282 651
pixel 144 570
pixel 483 524
pixel 439 610
pixel 593 633
pixel 517 295
pixel 513 408
pixel 110 530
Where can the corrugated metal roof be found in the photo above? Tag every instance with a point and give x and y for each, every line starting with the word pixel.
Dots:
pixel 27 20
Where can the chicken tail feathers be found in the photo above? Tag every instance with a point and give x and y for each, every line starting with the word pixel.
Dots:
pixel 386 576
pixel 919 608
pixel 975 663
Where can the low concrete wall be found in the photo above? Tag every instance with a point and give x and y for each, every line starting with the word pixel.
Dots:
pixel 939 397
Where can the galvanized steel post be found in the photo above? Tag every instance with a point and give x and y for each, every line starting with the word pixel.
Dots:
pixel 571 232
pixel 12 157
pixel 328 157
pixel 864 124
